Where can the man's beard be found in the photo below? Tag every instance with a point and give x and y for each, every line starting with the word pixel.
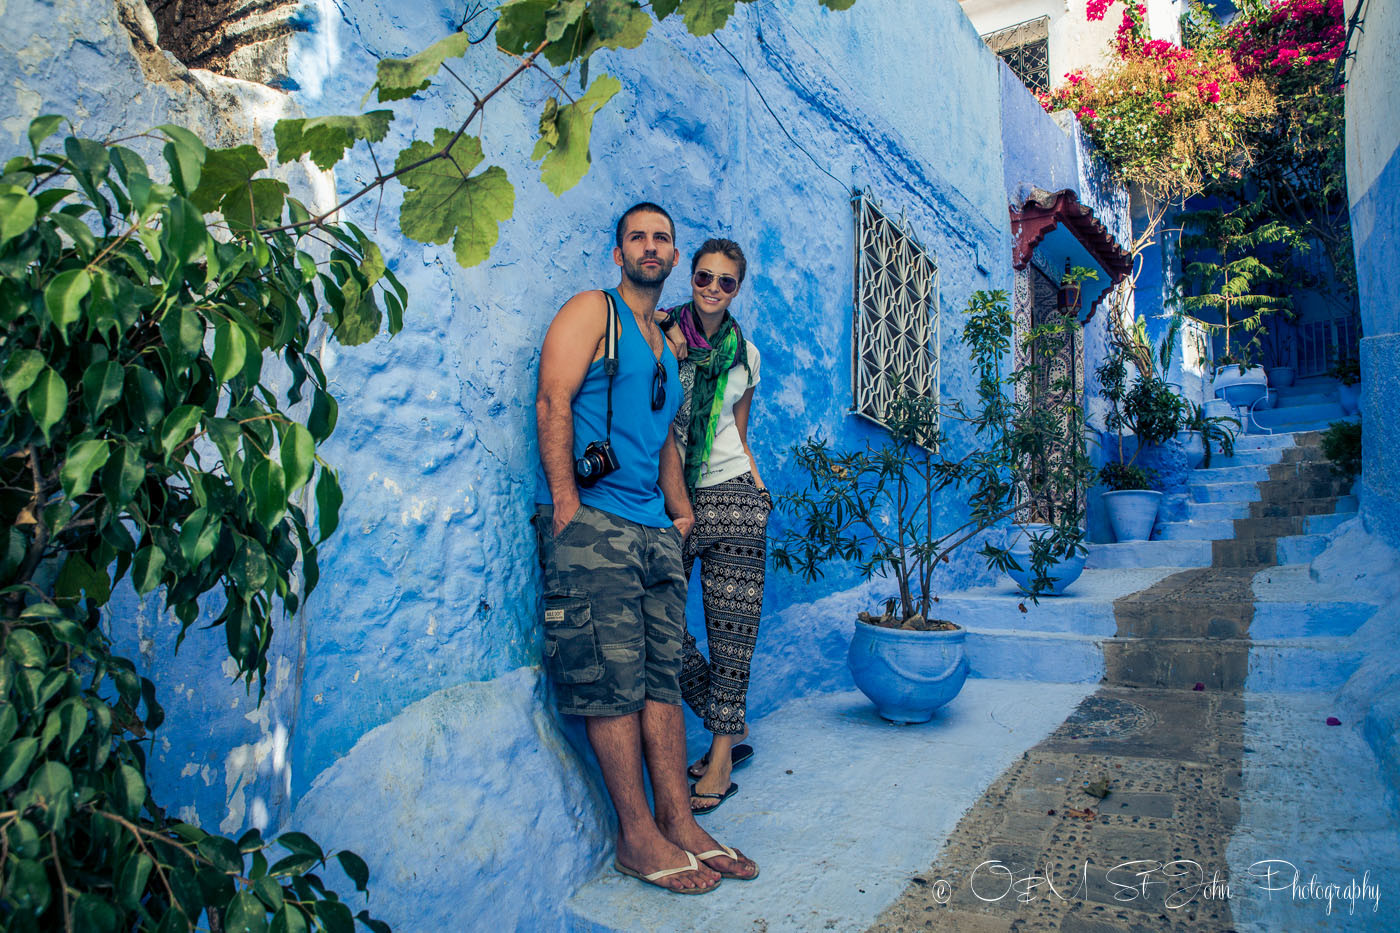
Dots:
pixel 639 276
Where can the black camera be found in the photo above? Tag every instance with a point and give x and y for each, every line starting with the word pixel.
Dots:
pixel 598 460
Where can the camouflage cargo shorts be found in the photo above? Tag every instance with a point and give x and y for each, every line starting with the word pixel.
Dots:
pixel 614 611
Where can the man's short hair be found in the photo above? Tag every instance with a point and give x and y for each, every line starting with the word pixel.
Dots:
pixel 643 207
pixel 723 247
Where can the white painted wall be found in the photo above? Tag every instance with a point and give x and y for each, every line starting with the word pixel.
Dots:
pixel 1074 41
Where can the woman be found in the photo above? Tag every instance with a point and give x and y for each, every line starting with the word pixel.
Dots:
pixel 719 372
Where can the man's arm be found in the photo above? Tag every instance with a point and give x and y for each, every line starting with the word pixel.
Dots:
pixel 572 343
pixel 672 482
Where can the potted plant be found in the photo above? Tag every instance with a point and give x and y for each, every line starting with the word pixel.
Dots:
pixel 1348 373
pixel 1202 433
pixel 1152 412
pixel 884 508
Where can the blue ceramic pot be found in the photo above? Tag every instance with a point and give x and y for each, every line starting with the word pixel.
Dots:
pixel 1063 573
pixel 907 675
pixel 1132 512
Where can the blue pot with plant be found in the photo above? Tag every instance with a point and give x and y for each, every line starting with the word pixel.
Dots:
pixel 1060 569
pixel 881 509
pixel 1348 373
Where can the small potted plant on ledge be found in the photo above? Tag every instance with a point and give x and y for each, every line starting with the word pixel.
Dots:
pixel 886 509
pixel 1348 373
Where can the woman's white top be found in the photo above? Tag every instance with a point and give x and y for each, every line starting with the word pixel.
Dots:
pixel 728 458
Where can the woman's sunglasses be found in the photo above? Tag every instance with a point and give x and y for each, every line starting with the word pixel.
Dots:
pixel 727 283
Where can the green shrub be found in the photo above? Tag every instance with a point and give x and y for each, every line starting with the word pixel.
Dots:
pixel 1341 443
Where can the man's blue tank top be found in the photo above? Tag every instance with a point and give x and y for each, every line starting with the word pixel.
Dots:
pixel 631 491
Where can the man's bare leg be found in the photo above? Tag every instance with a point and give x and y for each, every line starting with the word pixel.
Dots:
pixel 641 846
pixel 663 740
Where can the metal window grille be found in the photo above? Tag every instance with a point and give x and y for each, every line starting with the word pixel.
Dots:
pixel 1025 47
pixel 1322 344
pixel 896 313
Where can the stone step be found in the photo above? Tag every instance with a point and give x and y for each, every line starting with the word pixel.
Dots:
pixel 1284 619
pixel 1155 553
pixel 1029 654
pixel 1251 473
pixel 1224 492
pixel 1301 665
pixel 1180 663
pixel 1263 441
pixel 1179 507
pixel 1301 549
pixel 1302 487
pixel 1292 417
pixel 1250 457
pixel 1321 505
pixel 1086 608
pixel 1203 530
pixel 1244 552
pixel 1322 524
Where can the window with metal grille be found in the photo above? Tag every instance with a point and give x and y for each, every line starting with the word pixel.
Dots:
pixel 1025 47
pixel 896 313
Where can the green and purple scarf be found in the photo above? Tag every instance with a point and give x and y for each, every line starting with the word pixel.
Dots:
pixel 713 357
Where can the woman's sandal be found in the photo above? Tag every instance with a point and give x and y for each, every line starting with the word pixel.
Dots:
pixel 717 798
pixel 737 756
pixel 654 878
pixel 732 854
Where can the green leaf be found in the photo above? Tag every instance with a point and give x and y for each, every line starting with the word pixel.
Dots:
pixel 41 128
pixel 258 203
pixel 102 386
pixel 123 474
pixel 567 160
pixel 176 427
pixel 23 838
pixel 222 853
pixel 146 569
pixel 145 399
pixel 302 844
pixel 131 790
pixel 327 138
pixel 15 759
pixel 355 868
pixel 838 4
pixel 185 154
pixel 403 77
pixel 335 917
pixel 74 717
pixel 52 787
pixel 295 864
pixel 289 920
pixel 621 24
pixel 47 399
pixel 298 457
pixel 198 536
pixel 328 501
pixel 703 17
pixel 230 350
pixel 24 646
pixel 324 413
pixel 226 171
pixel 444 201
pixel 269 490
pixel 84 459
pixel 21 370
pixel 268 890
pixel 27 888
pixel 183 332
pixel 131 883
pixel 63 297
pixel 18 211
pixel 79 576
pixel 92 913
pixel 245 914
pixel 664 8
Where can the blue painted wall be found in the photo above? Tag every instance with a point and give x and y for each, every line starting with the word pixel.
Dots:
pixel 407 689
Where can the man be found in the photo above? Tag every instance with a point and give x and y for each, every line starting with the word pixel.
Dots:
pixel 614 602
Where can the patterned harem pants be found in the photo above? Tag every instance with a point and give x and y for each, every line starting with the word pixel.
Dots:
pixel 730 540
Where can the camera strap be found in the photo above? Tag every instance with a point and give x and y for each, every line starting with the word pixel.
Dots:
pixel 610 336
